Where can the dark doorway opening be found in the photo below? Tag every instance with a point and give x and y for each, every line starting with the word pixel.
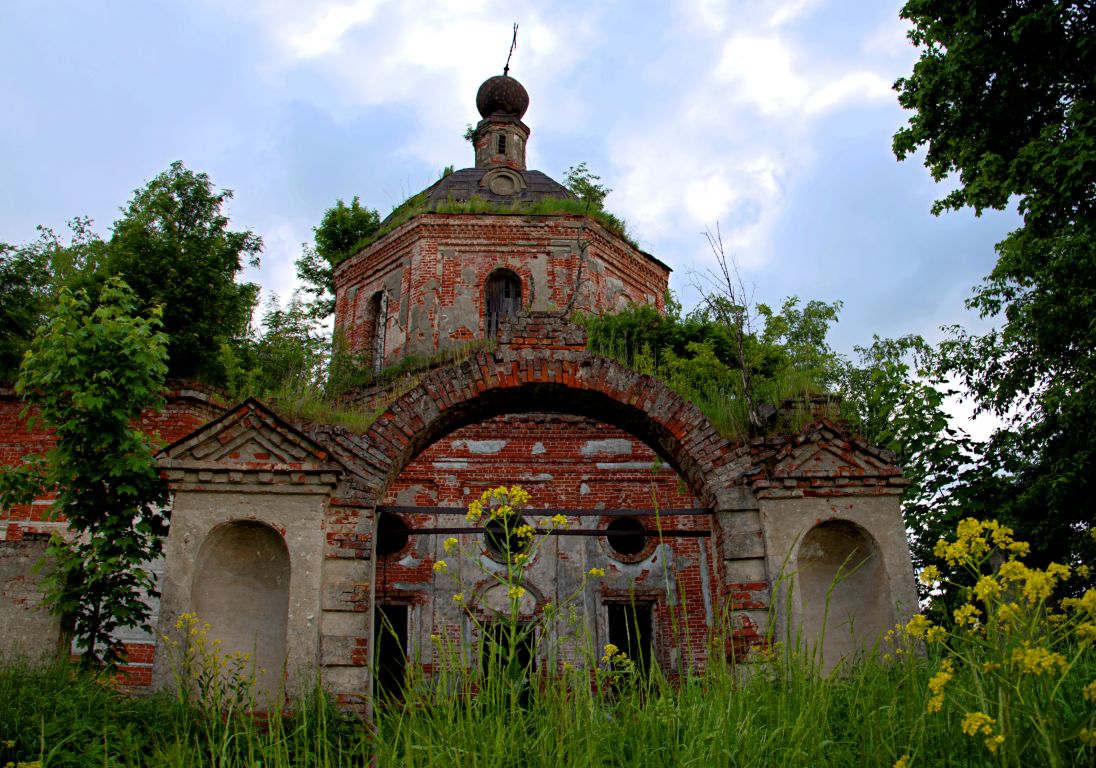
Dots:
pixel 502 300
pixel 390 650
pixel 630 631
pixel 508 652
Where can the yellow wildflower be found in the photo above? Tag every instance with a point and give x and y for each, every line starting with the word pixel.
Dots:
pixel 936 685
pixel 1012 570
pixel 475 511
pixel 450 544
pixel 977 722
pixel 902 762
pixel 524 532
pixel 1020 548
pixel 993 742
pixel 918 626
pixel 435 637
pixel 610 650
pixel 520 558
pixel 1038 586
pixel 1089 692
pixel 1010 614
pixel 1058 571
pixel 597 573
pixel 935 634
pixel 987 588
pixel 458 598
pixel 967 615
pixel 560 521
pixel 1001 535
pixel 1082 571
pixel 516 593
pixel 1086 631
pixel 440 567
pixel 929 574
pixel 1087 737
pixel 1037 661
pixel 941 678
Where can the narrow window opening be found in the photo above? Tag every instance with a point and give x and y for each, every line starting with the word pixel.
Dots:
pixel 626 536
pixel 390 650
pixel 502 300
pixel 630 631
pixel 502 144
pixel 376 325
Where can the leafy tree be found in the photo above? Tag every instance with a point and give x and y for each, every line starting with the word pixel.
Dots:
pixel 1004 98
pixel 287 359
pixel 31 276
pixel 341 229
pixel 174 248
pixel 586 186
pixel 90 373
pixel 894 397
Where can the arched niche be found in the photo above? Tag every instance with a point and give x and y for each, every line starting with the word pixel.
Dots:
pixel 844 590
pixel 241 589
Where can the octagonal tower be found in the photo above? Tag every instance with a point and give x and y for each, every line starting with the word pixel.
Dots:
pixel 482 244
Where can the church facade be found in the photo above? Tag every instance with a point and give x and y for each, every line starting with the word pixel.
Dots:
pixel 349 552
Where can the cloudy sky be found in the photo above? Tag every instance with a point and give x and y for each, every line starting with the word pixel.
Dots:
pixel 772 119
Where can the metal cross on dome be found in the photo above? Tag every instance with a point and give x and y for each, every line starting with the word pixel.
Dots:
pixel 513 45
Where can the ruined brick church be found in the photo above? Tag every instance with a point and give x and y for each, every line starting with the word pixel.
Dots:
pixel 297 541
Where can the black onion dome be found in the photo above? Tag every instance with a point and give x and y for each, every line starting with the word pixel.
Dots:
pixel 502 93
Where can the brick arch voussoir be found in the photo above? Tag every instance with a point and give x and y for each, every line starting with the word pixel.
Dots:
pixel 493 383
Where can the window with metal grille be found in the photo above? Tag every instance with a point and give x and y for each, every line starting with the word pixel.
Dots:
pixel 502 299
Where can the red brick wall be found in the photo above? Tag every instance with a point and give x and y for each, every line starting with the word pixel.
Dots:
pixel 565 462
pixel 434 269
pixel 186 409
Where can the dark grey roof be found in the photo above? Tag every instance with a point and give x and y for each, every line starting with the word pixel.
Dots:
pixel 465 183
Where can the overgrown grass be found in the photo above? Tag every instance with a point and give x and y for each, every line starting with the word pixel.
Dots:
pixel 1011 682
pixel 549 206
pixel 716 389
pixel 777 714
pixel 301 398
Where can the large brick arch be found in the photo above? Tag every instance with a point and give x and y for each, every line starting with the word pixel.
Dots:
pixel 532 373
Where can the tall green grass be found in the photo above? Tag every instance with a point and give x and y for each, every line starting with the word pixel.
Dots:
pixel 1012 681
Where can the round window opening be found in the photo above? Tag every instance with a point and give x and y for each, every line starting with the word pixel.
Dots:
pixel 502 539
pixel 392 534
pixel 626 536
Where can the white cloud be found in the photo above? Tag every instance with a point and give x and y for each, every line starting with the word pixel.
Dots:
pixel 760 70
pixel 324 34
pixel 853 88
pixel 789 11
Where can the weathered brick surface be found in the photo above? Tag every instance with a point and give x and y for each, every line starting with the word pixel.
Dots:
pixel 433 270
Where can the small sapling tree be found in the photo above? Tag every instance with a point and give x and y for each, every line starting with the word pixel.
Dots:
pixel 90 372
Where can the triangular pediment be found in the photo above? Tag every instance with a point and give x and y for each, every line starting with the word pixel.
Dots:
pixel 249 436
pixel 824 451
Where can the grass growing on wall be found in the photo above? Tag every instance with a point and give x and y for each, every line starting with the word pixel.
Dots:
pixel 549 206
